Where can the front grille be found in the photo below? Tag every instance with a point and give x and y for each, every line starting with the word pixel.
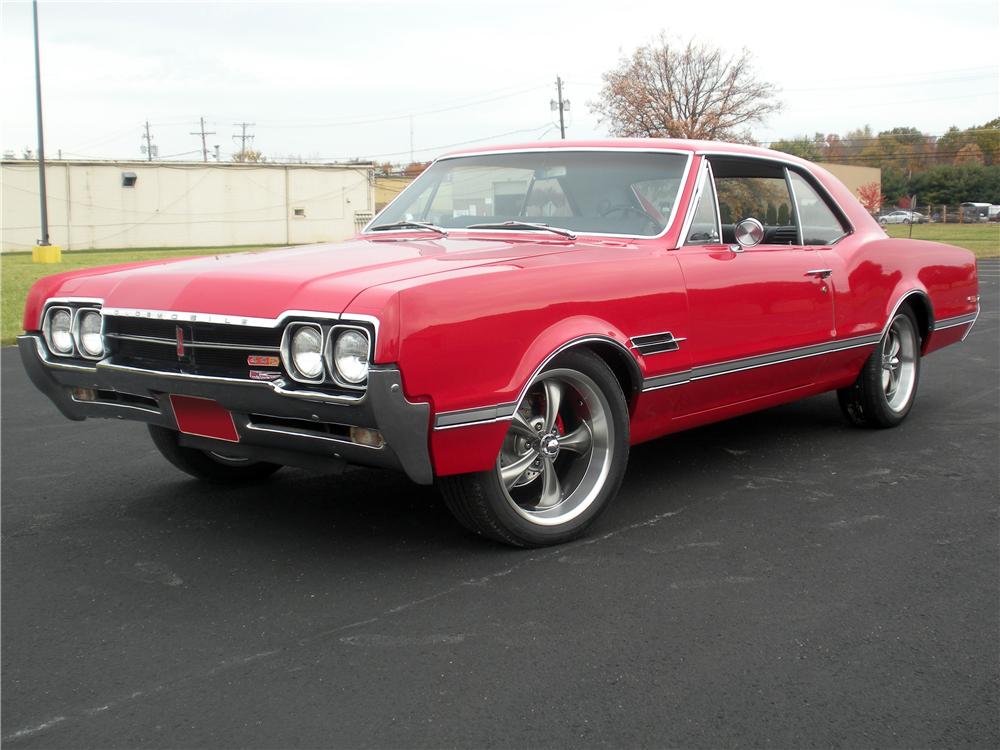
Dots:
pixel 208 348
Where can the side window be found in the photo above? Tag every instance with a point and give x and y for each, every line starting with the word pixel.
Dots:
pixel 820 226
pixel 705 222
pixel 755 189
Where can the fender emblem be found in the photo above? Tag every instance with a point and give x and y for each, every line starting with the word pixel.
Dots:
pixel 260 360
pixel 264 375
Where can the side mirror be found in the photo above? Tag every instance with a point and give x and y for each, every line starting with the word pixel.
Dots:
pixel 749 233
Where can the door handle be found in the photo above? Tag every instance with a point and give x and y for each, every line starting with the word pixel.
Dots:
pixel 820 273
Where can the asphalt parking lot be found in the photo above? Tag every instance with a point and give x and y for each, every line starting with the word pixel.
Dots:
pixel 780 580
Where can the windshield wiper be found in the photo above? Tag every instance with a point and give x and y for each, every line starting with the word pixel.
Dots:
pixel 525 225
pixel 406 223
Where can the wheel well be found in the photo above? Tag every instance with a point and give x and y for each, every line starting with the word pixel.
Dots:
pixel 622 364
pixel 921 308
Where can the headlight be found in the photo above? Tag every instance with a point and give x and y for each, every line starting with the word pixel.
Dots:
pixel 58 330
pixel 350 355
pixel 89 336
pixel 306 352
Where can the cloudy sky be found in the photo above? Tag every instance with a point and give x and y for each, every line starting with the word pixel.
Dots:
pixel 348 79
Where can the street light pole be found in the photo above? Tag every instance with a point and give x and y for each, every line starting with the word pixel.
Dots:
pixel 42 194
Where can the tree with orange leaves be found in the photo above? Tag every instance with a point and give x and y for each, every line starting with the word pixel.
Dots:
pixel 871 197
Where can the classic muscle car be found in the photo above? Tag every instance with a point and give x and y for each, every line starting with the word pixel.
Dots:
pixel 511 324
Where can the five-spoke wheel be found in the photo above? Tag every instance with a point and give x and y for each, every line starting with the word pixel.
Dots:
pixel 560 463
pixel 884 391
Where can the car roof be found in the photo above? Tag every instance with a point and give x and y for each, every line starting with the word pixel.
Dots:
pixel 635 144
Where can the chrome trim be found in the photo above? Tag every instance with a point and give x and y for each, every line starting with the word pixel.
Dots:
pixel 217 318
pixel 590 149
pixel 116 405
pixel 75 330
pixel 45 355
pixel 191 344
pixel 795 207
pixel 47 328
pixel 800 167
pixel 973 323
pixel 310 436
pixel 90 301
pixel 729 367
pixel 656 343
pixel 275 385
pixel 822 273
pixel 899 304
pixel 699 188
pixel 331 364
pixel 958 320
pixel 286 352
pixel 448 420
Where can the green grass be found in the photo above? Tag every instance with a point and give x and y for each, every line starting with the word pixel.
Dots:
pixel 982 239
pixel 19 273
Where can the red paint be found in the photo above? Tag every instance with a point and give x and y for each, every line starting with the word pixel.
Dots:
pixel 470 318
pixel 204 418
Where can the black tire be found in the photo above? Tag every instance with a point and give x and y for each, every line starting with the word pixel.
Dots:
pixel 586 479
pixel 201 465
pixel 883 222
pixel 870 402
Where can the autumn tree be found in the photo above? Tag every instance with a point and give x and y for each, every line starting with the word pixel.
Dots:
pixel 249 156
pixel 669 90
pixel 871 196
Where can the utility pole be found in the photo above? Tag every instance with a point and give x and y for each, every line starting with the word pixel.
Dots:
pixel 562 105
pixel 149 143
pixel 411 139
pixel 204 146
pixel 243 137
pixel 42 193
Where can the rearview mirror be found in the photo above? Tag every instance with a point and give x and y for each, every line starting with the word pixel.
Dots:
pixel 749 233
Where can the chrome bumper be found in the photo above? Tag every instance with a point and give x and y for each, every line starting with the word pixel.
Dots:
pixel 143 395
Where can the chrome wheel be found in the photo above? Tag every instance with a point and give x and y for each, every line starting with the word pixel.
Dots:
pixel 899 368
pixel 558 452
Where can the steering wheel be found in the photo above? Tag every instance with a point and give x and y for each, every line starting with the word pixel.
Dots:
pixel 625 211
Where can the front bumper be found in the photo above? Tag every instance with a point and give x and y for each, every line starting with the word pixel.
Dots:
pixel 272 425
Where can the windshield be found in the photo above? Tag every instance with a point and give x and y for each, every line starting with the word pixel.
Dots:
pixel 604 192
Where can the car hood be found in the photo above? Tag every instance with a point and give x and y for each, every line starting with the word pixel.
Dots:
pixel 264 284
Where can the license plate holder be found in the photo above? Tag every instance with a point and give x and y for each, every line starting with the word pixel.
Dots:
pixel 203 417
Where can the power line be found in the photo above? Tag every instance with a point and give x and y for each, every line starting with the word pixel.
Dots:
pixel 243 137
pixel 204 145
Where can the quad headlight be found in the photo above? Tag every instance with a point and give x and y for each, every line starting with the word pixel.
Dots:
pixel 58 330
pixel 350 354
pixel 336 354
pixel 89 334
pixel 304 352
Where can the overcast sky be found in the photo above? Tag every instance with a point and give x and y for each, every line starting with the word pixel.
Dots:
pixel 346 79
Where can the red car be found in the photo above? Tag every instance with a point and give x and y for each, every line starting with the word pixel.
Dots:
pixel 511 324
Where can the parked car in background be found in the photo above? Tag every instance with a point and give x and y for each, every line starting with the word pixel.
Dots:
pixel 511 324
pixel 902 217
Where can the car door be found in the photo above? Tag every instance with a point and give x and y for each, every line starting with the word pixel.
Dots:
pixel 753 311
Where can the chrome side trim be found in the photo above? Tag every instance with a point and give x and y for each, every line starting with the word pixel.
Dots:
pixel 958 320
pixel 702 372
pixel 656 343
pixel 969 329
pixel 481 415
pixel 448 420
pixel 546 148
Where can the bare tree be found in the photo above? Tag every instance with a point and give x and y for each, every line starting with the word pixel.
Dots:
pixel 690 91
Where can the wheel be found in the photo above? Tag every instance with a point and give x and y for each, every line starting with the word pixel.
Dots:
pixel 884 391
pixel 883 222
pixel 208 465
pixel 560 464
pixel 906 221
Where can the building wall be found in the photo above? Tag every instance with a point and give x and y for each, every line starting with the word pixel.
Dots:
pixel 853 176
pixel 183 204
pixel 387 188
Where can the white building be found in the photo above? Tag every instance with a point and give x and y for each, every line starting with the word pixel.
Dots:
pixel 132 204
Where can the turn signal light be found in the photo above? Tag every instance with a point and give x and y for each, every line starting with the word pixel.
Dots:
pixel 367 436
